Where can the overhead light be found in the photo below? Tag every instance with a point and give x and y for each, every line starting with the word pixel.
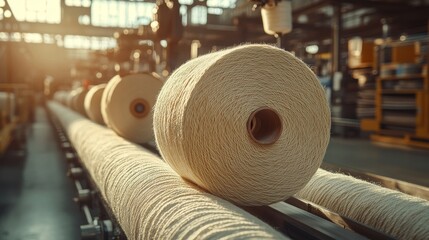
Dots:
pixel 117 67
pixel 7 14
pixel 312 49
pixel 136 54
pixel 378 41
pixel 303 18
pixel 163 43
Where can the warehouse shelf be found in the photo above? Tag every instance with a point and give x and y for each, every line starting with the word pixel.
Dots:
pixel 401 106
pixel 406 77
pixel 400 91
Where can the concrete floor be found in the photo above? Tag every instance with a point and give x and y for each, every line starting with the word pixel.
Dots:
pixel 35 194
pixel 402 163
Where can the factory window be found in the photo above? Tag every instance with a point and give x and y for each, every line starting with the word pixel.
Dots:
pixel 7 14
pixel 84 42
pixel 120 13
pixel 199 15
pixel 28 37
pixel 32 37
pixel 221 3
pixel 84 20
pixel 45 11
pixel 186 2
pixel 48 39
pixel 15 37
pixel 184 13
pixel 4 36
pixel 215 11
pixel 78 3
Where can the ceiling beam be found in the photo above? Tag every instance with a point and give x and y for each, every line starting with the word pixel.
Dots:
pixel 385 5
pixel 311 8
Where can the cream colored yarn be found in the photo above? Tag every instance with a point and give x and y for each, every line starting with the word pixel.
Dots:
pixel 202 111
pixel 92 103
pixel 69 98
pixel 76 99
pixel 61 96
pixel 117 98
pixel 149 200
pixel 397 214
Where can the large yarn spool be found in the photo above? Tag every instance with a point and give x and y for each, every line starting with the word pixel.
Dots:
pixel 277 18
pixel 149 200
pixel 70 100
pixel 57 96
pixel 126 105
pixel 92 103
pixel 65 98
pixel 78 100
pixel 249 124
pixel 61 96
pixel 397 214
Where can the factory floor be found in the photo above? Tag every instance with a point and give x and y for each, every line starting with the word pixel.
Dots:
pixel 402 163
pixel 36 196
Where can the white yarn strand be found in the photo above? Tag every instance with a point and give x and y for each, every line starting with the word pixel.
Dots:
pixel 149 200
pixel 397 214
pixel 200 123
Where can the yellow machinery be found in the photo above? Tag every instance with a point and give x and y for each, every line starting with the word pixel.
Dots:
pixel 15 112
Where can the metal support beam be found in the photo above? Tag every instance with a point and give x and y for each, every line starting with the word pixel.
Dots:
pixel 384 5
pixel 336 38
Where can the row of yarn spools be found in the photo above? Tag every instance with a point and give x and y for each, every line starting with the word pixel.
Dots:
pixel 251 135
pixel 134 121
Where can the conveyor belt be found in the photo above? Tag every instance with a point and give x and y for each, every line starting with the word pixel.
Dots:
pixel 295 218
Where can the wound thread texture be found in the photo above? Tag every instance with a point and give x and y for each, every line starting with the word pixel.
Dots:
pixel 92 103
pixel 149 200
pixel 392 212
pixel 201 123
pixel 124 98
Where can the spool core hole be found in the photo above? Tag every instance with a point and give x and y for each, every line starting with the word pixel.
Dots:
pixel 139 108
pixel 264 126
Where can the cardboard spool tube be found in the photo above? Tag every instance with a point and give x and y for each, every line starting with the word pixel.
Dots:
pixel 264 126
